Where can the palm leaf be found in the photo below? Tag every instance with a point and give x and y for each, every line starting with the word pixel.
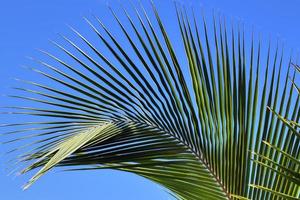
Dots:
pixel 283 157
pixel 193 120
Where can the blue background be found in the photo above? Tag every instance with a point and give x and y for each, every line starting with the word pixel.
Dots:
pixel 27 25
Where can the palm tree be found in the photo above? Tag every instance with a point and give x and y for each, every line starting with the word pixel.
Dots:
pixel 205 124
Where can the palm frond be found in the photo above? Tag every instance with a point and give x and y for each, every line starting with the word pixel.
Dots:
pixel 282 157
pixel 194 120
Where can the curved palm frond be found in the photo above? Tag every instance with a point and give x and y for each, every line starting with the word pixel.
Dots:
pixel 197 123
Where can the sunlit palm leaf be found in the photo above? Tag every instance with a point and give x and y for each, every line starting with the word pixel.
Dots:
pixel 197 123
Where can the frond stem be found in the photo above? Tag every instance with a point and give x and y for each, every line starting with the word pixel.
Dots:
pixel 195 153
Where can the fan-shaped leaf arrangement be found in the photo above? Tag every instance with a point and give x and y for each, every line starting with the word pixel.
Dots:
pixel 198 120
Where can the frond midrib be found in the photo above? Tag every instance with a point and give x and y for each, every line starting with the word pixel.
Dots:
pixel 196 154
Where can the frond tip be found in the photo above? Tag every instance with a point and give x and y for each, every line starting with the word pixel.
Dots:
pixel 69 146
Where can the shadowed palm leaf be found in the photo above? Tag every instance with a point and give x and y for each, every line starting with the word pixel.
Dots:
pixel 197 124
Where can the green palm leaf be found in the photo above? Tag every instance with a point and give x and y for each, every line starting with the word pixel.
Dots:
pixel 197 124
pixel 282 159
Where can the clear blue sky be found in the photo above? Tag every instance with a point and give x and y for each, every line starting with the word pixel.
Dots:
pixel 27 25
